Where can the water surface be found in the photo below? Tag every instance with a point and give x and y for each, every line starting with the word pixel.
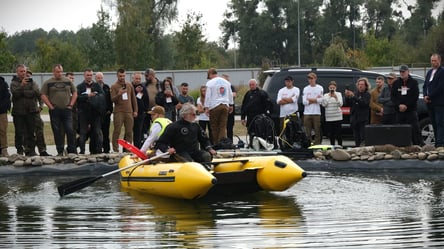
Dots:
pixel 325 210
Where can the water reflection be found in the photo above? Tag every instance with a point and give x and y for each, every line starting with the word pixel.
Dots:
pixel 332 210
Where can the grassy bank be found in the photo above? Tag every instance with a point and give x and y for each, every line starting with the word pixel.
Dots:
pixel 49 138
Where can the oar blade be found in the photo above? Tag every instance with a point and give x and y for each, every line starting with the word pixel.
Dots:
pixel 76 185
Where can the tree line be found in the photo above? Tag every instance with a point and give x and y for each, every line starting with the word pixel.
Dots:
pixel 265 33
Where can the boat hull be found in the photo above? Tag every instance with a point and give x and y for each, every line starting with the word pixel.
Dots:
pixel 188 180
pixel 255 173
pixel 191 180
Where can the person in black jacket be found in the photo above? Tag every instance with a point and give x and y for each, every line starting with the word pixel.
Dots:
pixel 359 102
pixel 186 138
pixel 106 117
pixel 168 100
pixel 142 99
pixel 5 106
pixel 433 91
pixel 404 95
pixel 256 101
pixel 90 117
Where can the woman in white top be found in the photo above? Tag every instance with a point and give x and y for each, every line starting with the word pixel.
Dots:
pixel 204 120
pixel 332 101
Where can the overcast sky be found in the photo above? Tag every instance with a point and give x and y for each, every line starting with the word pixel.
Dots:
pixel 18 15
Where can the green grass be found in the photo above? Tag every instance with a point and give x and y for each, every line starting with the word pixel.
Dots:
pixel 239 130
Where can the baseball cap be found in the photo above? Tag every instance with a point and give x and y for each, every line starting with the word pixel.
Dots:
pixel 403 68
pixel 289 78
pixel 391 75
pixel 312 75
pixel 157 110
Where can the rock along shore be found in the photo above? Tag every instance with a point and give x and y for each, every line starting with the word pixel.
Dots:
pixel 367 153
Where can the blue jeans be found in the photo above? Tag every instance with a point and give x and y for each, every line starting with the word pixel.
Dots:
pixel 437 118
pixel 61 120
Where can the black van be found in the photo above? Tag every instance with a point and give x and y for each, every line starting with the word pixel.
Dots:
pixel 344 78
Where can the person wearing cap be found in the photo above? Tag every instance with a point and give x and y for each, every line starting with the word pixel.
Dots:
pixel 218 103
pixel 388 115
pixel 25 110
pixel 332 101
pixel 433 90
pixel 39 126
pixel 404 95
pixel 157 127
pixel 287 99
pixel 5 106
pixel 186 138
pixel 376 109
pixel 359 102
pixel 311 99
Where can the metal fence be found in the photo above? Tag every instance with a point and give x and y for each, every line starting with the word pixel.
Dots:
pixel 196 78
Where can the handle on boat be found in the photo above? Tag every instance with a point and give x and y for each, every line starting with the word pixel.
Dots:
pixel 79 184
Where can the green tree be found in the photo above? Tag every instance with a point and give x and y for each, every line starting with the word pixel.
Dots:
pixel 335 55
pixel 102 54
pixel 58 52
pixel 190 43
pixel 7 59
pixel 139 29
pixel 420 21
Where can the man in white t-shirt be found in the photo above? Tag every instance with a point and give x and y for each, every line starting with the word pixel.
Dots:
pixel 218 104
pixel 312 98
pixel 287 99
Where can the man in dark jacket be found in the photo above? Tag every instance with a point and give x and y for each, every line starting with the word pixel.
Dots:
pixel 388 115
pixel 90 116
pixel 256 101
pixel 186 138
pixel 5 105
pixel 359 103
pixel 25 110
pixel 106 117
pixel 142 108
pixel 404 95
pixel 433 90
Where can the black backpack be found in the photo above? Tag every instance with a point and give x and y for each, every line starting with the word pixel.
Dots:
pixel 293 137
pixel 262 126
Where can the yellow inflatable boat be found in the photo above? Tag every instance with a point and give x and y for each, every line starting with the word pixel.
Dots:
pixel 191 180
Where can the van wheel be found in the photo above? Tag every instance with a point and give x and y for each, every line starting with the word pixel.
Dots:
pixel 425 125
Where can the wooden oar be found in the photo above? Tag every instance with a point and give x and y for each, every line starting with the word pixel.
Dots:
pixel 79 184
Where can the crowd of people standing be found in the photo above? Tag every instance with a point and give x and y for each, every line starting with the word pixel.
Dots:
pixel 83 112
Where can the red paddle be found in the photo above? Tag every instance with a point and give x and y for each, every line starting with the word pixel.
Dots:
pixel 132 148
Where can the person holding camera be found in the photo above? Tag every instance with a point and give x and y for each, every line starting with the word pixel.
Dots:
pixel 332 101
pixel 167 99
pixel 125 108
pixel 25 110
pixel 359 102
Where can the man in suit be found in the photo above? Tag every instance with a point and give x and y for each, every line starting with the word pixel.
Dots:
pixel 433 91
